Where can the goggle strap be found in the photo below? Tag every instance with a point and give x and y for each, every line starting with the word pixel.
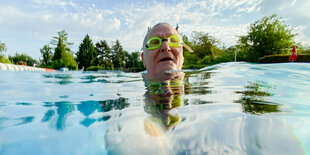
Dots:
pixel 188 48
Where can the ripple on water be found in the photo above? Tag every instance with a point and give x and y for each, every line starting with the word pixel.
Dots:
pixel 229 108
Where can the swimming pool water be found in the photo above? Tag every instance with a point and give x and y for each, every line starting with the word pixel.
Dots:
pixel 229 108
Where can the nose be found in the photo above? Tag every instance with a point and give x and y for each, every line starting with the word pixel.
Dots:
pixel 165 47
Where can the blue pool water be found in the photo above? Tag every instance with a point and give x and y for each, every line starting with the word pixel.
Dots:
pixel 229 108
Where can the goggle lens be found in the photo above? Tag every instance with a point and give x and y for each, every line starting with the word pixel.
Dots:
pixel 155 42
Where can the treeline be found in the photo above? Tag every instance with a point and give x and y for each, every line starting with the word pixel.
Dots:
pixel 102 56
pixel 90 56
pixel 265 37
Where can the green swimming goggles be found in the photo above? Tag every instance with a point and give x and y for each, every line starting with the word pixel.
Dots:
pixel 156 42
pixel 173 41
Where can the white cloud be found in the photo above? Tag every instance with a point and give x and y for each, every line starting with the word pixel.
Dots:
pixel 190 15
pixel 54 3
pixel 86 22
pixel 296 14
pixel 302 37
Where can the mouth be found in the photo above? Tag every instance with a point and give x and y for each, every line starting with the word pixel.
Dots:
pixel 165 59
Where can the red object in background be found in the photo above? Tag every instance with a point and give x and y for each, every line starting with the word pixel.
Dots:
pixel 21 63
pixel 293 55
pixel 49 70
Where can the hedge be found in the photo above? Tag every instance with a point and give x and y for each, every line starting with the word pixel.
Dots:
pixel 283 58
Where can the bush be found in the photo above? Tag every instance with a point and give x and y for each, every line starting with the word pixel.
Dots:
pixel 4 60
pixel 194 66
pixel 96 68
pixel 66 60
pixel 28 60
pixel 206 60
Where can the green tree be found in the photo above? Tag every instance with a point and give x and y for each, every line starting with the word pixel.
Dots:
pixel 204 44
pixel 23 58
pixel 118 55
pixel 47 55
pixel 134 62
pixel 267 36
pixel 189 58
pixel 62 35
pixel 2 48
pixel 207 51
pixel 104 54
pixel 61 43
pixel 62 55
pixel 59 50
pixel 86 56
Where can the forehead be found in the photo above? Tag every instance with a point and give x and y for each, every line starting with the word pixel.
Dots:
pixel 163 30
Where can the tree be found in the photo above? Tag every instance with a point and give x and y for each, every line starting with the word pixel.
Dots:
pixel 2 48
pixel 61 43
pixel 267 36
pixel 189 58
pixel 204 44
pixel 134 61
pixel 47 55
pixel 118 55
pixel 62 35
pixel 28 60
pixel 86 56
pixel 62 55
pixel 104 54
pixel 207 51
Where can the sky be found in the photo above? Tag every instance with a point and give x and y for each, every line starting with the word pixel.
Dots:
pixel 27 25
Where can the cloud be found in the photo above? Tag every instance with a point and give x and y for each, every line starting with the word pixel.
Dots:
pixel 295 13
pixel 190 15
pixel 51 3
pixel 46 24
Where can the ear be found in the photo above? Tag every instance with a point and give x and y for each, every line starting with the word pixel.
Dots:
pixel 142 59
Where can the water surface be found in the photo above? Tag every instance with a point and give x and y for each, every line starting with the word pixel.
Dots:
pixel 232 108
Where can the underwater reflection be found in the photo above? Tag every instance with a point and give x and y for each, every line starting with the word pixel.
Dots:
pixel 164 93
pixel 9 122
pixel 58 112
pixel 64 108
pixel 109 78
pixel 62 79
pixel 200 86
pixel 93 78
pixel 253 98
pixel 117 104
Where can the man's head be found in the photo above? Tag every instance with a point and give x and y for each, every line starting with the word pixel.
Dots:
pixel 167 56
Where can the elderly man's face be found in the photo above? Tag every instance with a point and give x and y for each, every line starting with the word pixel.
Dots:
pixel 165 57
